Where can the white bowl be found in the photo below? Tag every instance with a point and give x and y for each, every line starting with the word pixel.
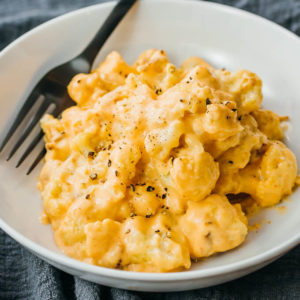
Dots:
pixel 225 37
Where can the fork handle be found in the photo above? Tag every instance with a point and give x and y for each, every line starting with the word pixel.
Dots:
pixel 114 18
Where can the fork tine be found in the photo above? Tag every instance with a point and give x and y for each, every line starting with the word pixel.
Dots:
pixel 30 147
pixel 21 115
pixel 29 128
pixel 37 160
pixel 35 141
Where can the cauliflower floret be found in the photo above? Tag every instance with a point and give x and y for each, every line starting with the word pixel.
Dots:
pixel 113 71
pixel 218 123
pixel 266 180
pixel 213 225
pixel 152 245
pixel 239 156
pixel 143 204
pixel 85 89
pixel 102 246
pixel 159 142
pixel 194 61
pixel 194 173
pixel 245 86
pixel 268 123
pixel 70 233
pixel 273 177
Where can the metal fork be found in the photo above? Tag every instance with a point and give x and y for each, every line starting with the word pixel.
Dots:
pixel 53 86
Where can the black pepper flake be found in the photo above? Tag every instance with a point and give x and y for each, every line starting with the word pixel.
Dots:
pixel 164 196
pixel 150 188
pixel 142 184
pixel 116 173
pixel 148 215
pixel 91 154
pixel 128 231
pixel 230 162
pixel 109 163
pixel 191 78
pixel 227 117
pixel 94 176
pixel 166 189
pixel 234 109
pixel 207 101
pixel 208 235
pixel 119 264
pixel 158 91
pixel 167 207
pixel 157 231
pixel 240 118
pixel 162 206
pixel 132 215
pixel 187 82
pixel 109 147
pixel 88 196
pixel 181 100
pixel 133 187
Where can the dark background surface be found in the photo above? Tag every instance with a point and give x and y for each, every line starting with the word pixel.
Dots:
pixel 24 276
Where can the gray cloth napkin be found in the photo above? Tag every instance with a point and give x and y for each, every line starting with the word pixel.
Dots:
pixel 24 276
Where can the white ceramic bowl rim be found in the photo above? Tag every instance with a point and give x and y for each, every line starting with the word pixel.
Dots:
pixel 180 276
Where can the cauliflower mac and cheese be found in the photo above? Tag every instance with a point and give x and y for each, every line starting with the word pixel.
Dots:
pixel 138 174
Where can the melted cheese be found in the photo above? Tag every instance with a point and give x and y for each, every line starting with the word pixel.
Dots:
pixel 136 174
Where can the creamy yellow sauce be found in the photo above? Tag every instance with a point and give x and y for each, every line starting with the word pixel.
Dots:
pixel 136 174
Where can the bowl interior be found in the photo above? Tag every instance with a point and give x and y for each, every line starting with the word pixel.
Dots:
pixel 224 37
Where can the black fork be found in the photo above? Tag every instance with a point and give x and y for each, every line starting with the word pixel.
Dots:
pixel 53 86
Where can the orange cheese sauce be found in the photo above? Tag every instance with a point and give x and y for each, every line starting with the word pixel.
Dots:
pixel 136 174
